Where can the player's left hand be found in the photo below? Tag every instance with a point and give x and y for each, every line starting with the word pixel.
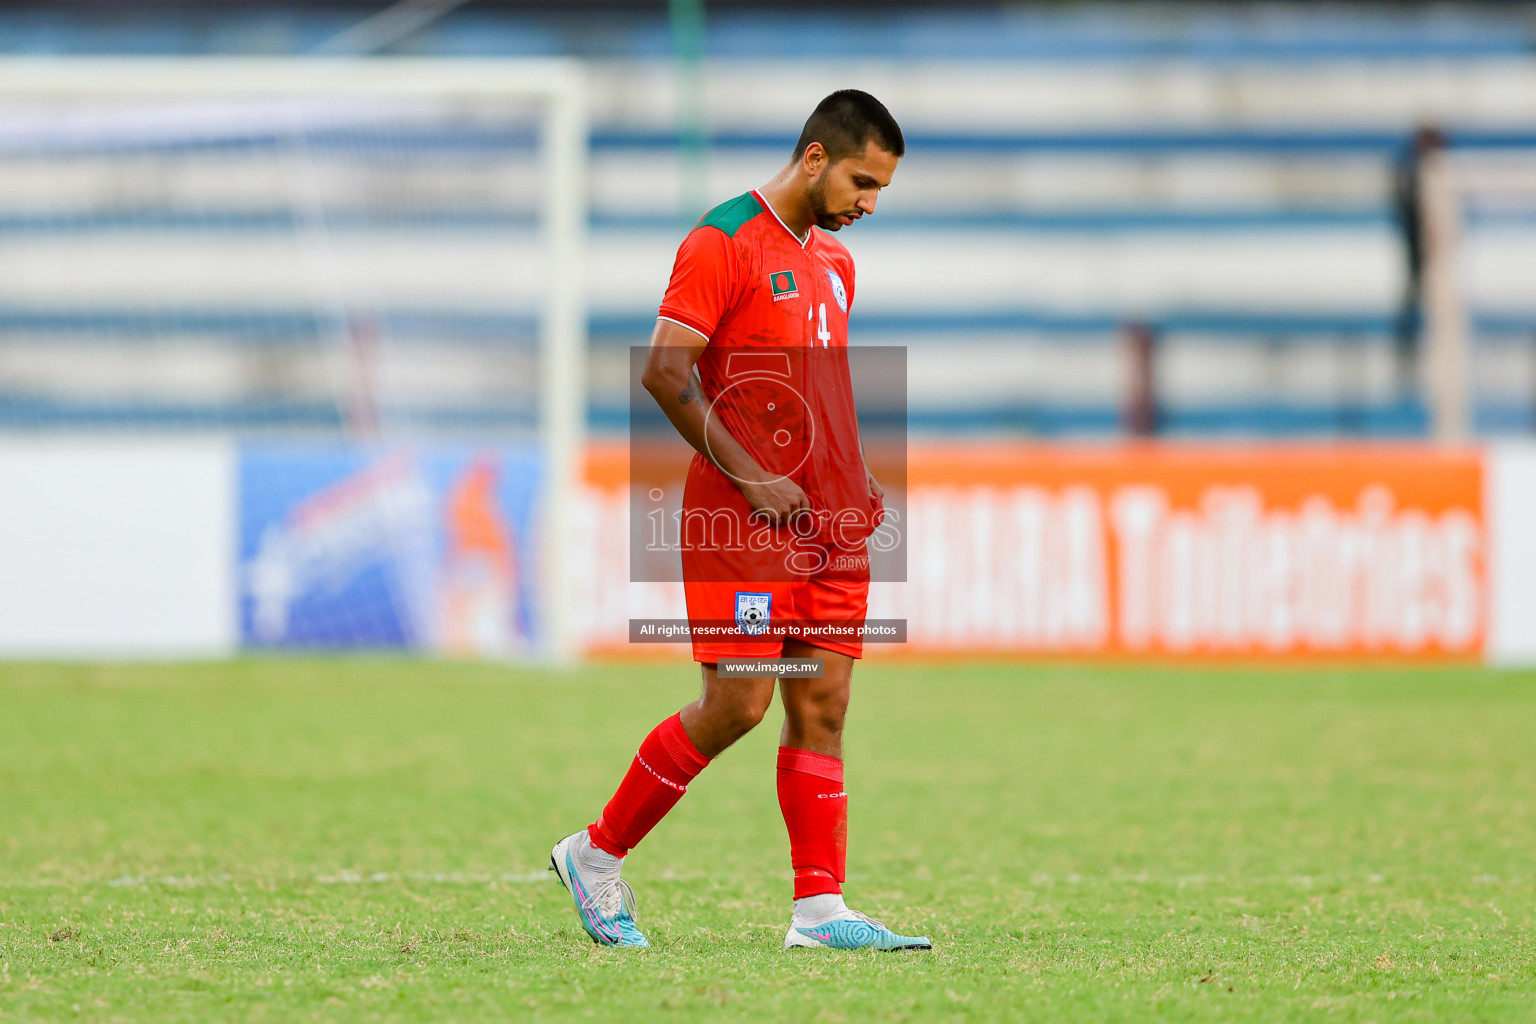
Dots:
pixel 874 485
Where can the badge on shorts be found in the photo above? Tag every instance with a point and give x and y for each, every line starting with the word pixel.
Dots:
pixel 753 612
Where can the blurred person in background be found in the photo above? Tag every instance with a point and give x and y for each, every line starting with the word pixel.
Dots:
pixel 1408 195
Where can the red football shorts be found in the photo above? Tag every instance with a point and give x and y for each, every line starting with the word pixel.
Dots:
pixel 827 612
pixel 743 596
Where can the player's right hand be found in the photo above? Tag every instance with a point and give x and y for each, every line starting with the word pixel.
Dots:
pixel 776 501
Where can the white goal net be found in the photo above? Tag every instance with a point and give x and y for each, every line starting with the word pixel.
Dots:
pixel 364 275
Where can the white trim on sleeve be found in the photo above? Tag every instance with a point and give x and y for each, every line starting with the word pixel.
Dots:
pixel 679 323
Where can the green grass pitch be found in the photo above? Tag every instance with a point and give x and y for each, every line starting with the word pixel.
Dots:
pixel 366 840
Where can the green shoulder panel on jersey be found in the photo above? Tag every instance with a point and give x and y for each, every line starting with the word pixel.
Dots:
pixel 729 216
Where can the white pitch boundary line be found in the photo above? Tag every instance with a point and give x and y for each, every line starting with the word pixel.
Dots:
pixel 1039 880
pixel 338 878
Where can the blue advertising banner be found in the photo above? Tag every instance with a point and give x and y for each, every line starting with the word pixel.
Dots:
pixel 429 549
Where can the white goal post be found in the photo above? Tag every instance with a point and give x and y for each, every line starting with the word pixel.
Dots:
pixel 1453 184
pixel 554 87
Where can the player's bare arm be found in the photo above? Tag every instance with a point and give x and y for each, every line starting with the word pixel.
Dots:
pixel 869 477
pixel 669 377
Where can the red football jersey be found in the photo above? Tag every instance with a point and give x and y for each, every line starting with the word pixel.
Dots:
pixel 774 311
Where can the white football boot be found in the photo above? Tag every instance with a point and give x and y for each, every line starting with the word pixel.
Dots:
pixel 604 901
pixel 825 922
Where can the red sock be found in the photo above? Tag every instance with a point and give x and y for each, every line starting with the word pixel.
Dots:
pixel 816 813
pixel 657 779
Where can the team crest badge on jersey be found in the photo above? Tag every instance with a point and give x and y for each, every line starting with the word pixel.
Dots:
pixel 838 291
pixel 753 612
pixel 783 285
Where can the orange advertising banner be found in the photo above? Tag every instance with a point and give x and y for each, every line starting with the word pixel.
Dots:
pixel 1162 549
pixel 1201 550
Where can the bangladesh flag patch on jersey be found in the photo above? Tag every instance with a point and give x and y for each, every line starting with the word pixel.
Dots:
pixel 783 285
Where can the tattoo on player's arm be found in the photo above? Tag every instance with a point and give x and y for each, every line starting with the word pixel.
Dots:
pixel 687 394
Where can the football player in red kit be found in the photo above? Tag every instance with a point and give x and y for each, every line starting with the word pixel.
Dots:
pixel 749 363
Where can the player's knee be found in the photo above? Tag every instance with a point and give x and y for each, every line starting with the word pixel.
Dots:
pixel 829 718
pixel 822 710
pixel 742 716
pixel 737 714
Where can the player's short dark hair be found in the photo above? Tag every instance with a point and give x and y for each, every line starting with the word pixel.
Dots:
pixel 846 122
